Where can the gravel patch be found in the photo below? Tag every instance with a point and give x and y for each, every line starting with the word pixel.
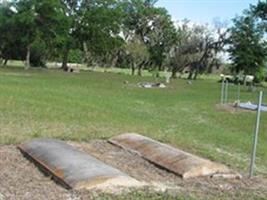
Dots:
pixel 20 179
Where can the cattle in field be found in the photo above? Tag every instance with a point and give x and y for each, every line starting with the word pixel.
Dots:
pixel 228 78
pixel 248 79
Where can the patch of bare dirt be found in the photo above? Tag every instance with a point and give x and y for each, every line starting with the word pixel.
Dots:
pixel 230 108
pixel 20 179
pixel 144 171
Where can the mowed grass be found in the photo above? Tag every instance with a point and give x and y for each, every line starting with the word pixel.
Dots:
pixel 95 105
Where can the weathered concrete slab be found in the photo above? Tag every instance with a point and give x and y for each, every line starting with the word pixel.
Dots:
pixel 73 168
pixel 170 158
pixel 251 106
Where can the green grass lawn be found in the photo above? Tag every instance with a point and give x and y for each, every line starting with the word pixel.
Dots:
pixel 89 105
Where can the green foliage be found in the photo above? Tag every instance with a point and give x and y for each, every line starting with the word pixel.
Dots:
pixel 247 46
pixel 75 56
pixel 38 54
pixel 137 51
pixel 162 35
pixel 7 39
pixel 260 11
pixel 27 22
pixel 101 32
pixel 196 49
pixel 100 26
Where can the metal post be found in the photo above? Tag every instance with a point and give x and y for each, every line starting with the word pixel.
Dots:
pixel 238 92
pixel 255 139
pixel 226 92
pixel 222 92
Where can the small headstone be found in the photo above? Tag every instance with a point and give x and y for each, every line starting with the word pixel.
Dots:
pixel 161 85
pixel 189 82
pixel 168 77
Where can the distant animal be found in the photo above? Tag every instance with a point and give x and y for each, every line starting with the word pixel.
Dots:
pixel 248 79
pixel 228 78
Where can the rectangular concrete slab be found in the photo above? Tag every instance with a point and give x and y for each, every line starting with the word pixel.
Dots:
pixel 73 168
pixel 250 106
pixel 170 158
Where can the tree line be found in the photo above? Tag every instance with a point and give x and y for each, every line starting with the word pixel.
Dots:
pixel 133 34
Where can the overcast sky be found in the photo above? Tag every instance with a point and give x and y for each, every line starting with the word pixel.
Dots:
pixel 204 11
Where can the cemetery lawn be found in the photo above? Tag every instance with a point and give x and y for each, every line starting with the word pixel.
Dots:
pixel 96 105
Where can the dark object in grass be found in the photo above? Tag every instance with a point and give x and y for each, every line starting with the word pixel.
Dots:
pixel 152 85
pixel 72 168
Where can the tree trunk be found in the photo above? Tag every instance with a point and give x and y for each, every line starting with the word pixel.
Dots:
pixel 28 57
pixel 139 70
pixel 87 54
pixel 133 69
pixel 5 62
pixel 181 73
pixel 195 75
pixel 65 59
pixel 197 71
pixel 174 76
pixel 158 71
pixel 190 75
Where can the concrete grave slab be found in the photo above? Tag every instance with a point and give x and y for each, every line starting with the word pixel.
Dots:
pixel 251 106
pixel 170 158
pixel 73 168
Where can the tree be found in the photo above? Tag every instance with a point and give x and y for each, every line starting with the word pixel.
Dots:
pixel 207 52
pixel 7 41
pixel 25 25
pixel 99 29
pixel 28 23
pixel 161 38
pixel 153 28
pixel 66 35
pixel 260 10
pixel 137 54
pixel 92 26
pixel 247 46
pixel 196 49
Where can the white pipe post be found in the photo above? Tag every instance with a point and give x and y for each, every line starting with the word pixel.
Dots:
pixel 238 92
pixel 255 139
pixel 226 92
pixel 222 92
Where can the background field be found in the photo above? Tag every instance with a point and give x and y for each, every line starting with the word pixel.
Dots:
pixel 80 107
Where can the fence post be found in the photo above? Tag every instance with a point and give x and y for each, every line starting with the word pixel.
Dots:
pixel 222 92
pixel 238 92
pixel 226 92
pixel 255 138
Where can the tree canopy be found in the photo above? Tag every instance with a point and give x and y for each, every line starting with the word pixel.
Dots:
pixel 128 33
pixel 248 47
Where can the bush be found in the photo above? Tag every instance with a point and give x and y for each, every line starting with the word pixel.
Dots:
pixel 75 56
pixel 38 54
